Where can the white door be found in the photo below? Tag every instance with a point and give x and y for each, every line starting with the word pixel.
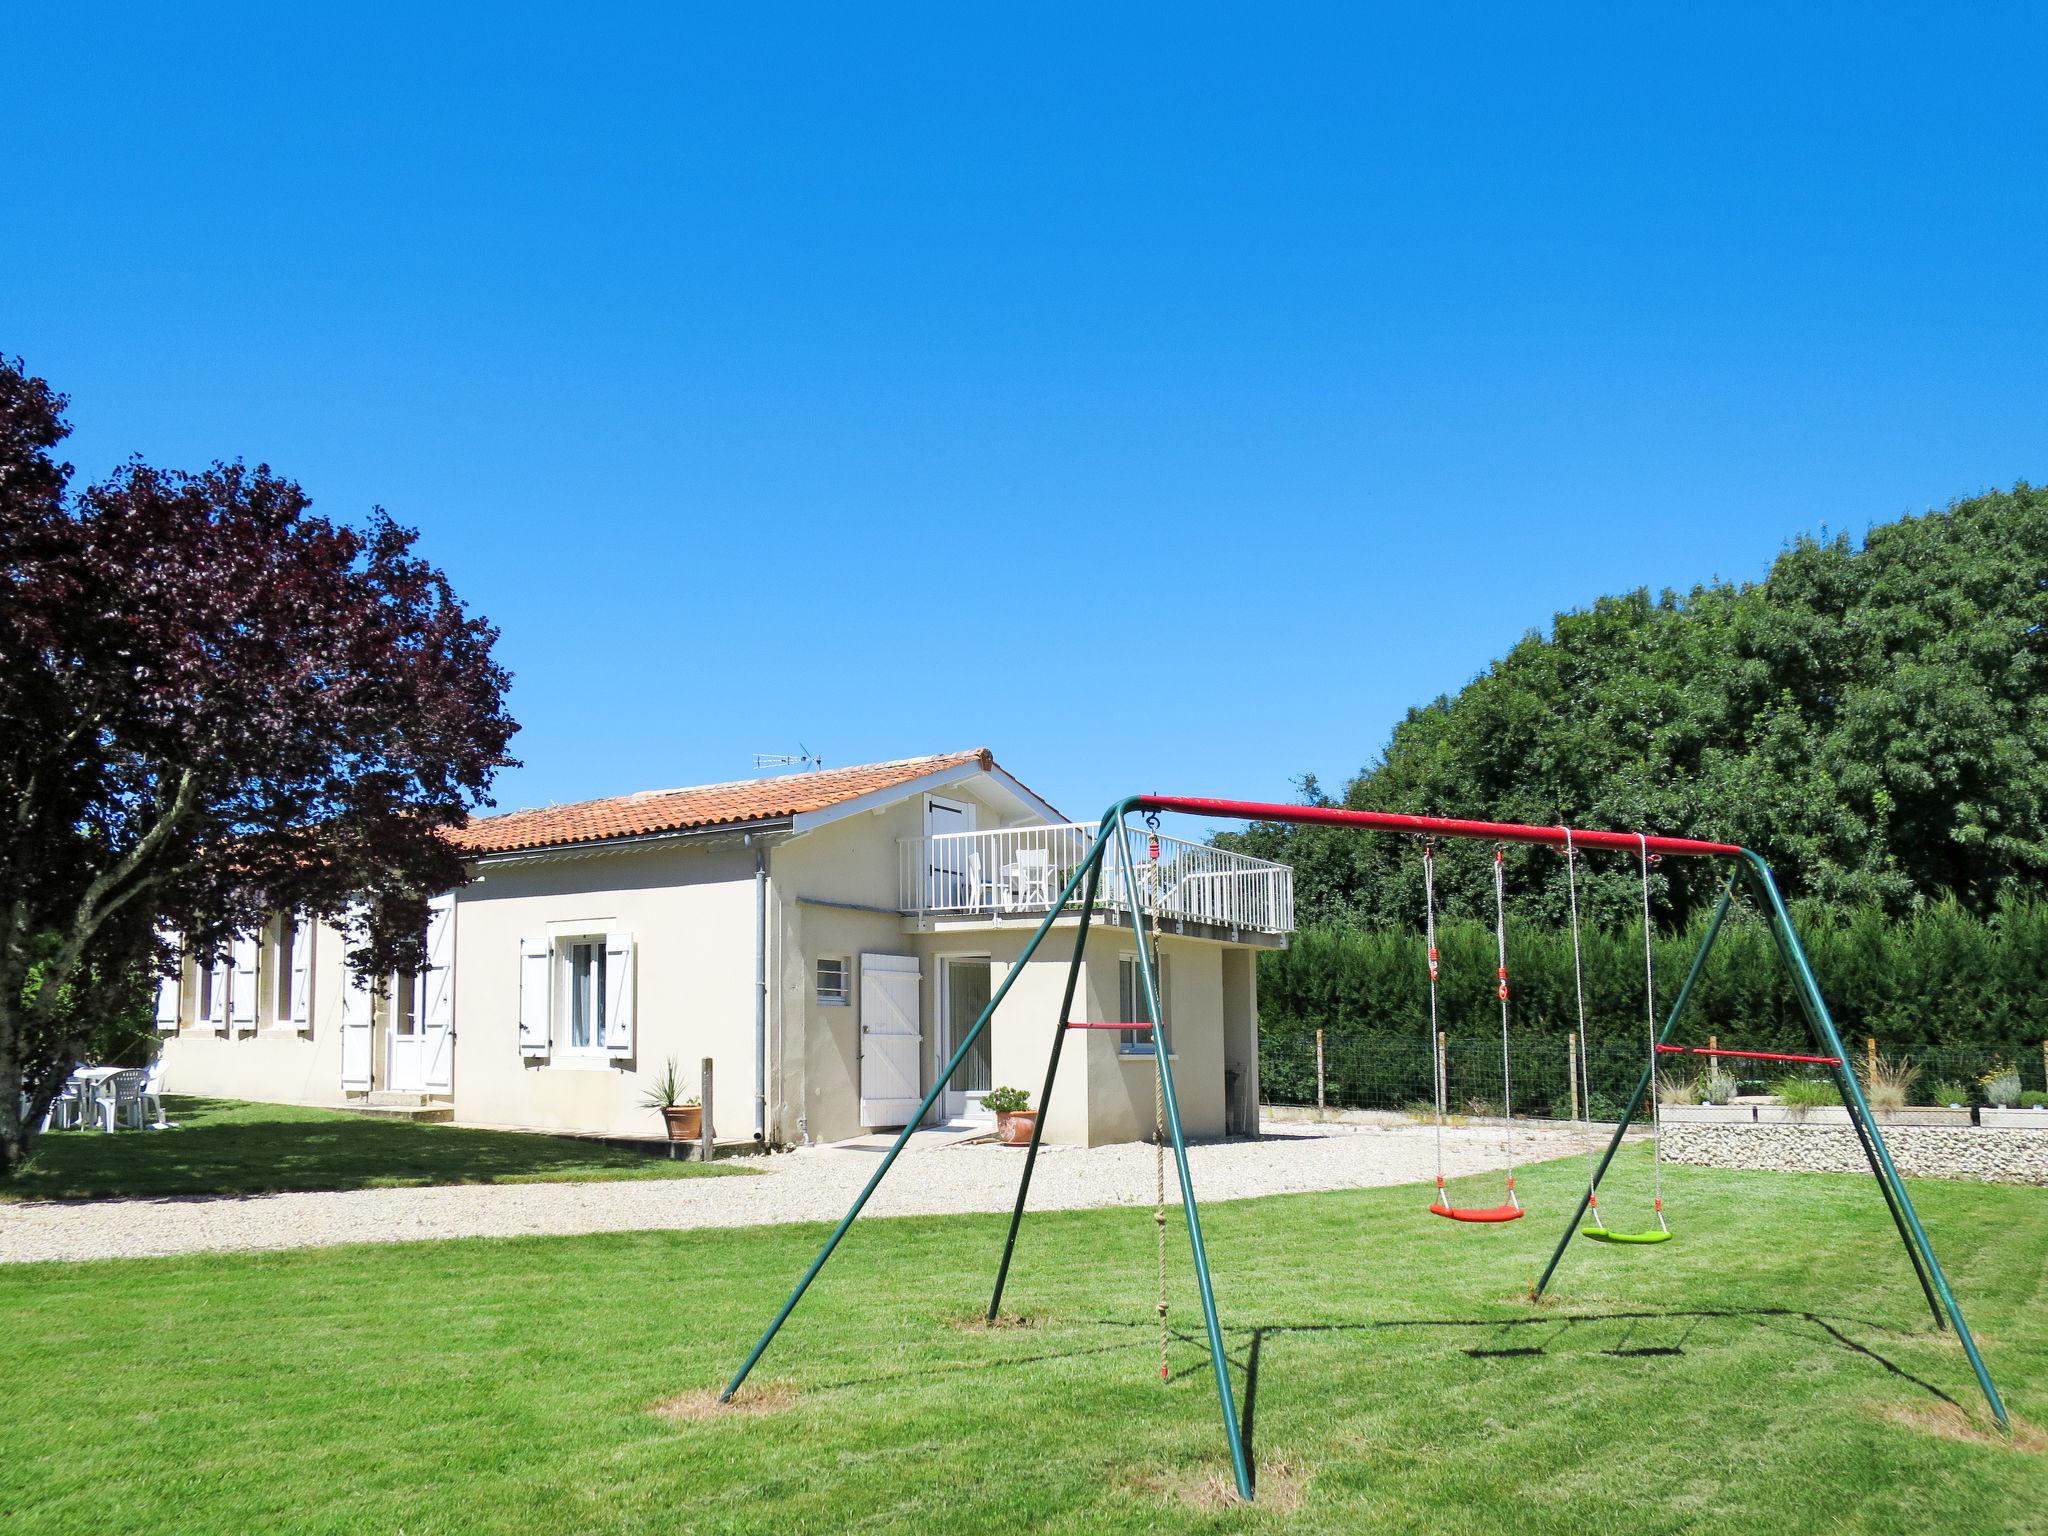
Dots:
pixel 964 983
pixel 890 1040
pixel 946 853
pixel 405 1059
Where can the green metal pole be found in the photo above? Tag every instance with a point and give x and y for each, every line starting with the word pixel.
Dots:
pixel 1052 1067
pixel 938 1085
pixel 1635 1100
pixel 1884 1184
pixel 1831 1041
pixel 1160 1055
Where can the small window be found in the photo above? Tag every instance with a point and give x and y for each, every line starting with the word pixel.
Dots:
pixel 832 982
pixel 405 1005
pixel 1130 989
pixel 281 973
pixel 585 959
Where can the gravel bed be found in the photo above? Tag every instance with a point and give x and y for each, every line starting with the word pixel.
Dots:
pixel 935 1176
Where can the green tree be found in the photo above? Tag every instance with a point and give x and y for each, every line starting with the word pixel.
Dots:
pixel 1869 717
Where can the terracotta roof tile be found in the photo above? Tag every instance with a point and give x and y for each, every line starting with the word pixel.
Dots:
pixel 708 805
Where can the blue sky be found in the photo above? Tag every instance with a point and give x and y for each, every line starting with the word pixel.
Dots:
pixel 1167 398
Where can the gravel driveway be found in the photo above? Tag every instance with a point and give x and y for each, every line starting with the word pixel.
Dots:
pixel 936 1175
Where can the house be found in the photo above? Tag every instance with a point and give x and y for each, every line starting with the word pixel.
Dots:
pixel 824 937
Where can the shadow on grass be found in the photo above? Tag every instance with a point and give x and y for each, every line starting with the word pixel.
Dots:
pixel 1559 1328
pixel 227 1147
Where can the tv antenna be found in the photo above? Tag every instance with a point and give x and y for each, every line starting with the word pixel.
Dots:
pixel 803 757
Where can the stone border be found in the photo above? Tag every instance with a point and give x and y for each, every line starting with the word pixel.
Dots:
pixel 1988 1154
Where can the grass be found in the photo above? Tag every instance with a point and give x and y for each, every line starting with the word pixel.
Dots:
pixel 226 1147
pixel 1805 1092
pixel 1771 1370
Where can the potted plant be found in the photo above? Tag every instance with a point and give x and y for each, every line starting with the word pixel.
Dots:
pixel 685 1116
pixel 1013 1120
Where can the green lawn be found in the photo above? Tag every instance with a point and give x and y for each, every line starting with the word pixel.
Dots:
pixel 1771 1371
pixel 225 1147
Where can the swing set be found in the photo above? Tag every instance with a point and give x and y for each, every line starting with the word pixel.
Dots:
pixel 1112 844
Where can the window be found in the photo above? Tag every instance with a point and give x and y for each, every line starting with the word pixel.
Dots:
pixel 1130 996
pixel 281 973
pixel 832 982
pixel 584 961
pixel 405 1004
pixel 206 969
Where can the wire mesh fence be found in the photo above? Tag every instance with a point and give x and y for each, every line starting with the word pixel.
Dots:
pixel 1369 1069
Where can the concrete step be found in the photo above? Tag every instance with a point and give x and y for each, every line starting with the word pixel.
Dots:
pixel 417 1114
pixel 384 1100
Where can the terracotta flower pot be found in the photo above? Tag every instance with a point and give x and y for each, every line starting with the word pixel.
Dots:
pixel 1013 1126
pixel 685 1121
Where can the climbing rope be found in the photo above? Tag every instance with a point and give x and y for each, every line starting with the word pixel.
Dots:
pixel 1436 1046
pixel 1500 940
pixel 1158 1105
pixel 1159 1207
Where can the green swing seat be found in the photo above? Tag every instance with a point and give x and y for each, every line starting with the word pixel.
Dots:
pixel 1602 1235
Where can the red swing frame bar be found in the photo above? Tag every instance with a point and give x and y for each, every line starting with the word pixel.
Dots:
pixel 1715 1050
pixel 1088 874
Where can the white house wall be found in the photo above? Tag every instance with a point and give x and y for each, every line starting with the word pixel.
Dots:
pixel 834 893
pixel 690 910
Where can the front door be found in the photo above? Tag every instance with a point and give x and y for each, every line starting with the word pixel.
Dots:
pixel 890 1040
pixel 963 994
pixel 405 1057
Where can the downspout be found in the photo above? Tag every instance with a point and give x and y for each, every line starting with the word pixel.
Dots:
pixel 760 991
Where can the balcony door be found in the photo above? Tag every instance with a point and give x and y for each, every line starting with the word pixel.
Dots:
pixel 948 859
pixel 964 982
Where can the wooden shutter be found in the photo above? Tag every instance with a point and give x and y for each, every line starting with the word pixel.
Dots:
pixel 355 1031
pixel 437 996
pixel 891 1039
pixel 223 972
pixel 618 993
pixel 299 1009
pixel 169 990
pixel 534 996
pixel 242 984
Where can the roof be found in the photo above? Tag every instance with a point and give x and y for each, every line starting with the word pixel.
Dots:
pixel 655 811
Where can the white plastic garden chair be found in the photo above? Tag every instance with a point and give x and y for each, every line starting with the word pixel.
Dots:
pixel 120 1098
pixel 62 1115
pixel 151 1094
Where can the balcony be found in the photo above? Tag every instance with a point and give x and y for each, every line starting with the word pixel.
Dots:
pixel 1020 871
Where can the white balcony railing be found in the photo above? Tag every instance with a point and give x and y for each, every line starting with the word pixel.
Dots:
pixel 1022 869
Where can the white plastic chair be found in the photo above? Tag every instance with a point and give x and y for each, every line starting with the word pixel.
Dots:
pixel 151 1094
pixel 1034 876
pixel 62 1115
pixel 68 1110
pixel 981 891
pixel 120 1098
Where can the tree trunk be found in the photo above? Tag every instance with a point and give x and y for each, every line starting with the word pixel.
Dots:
pixel 16 1128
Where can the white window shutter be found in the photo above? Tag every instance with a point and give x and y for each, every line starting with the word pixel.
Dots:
pixel 437 995
pixel 242 998
pixel 618 993
pixel 301 994
pixel 355 1031
pixel 534 994
pixel 168 990
pixel 223 970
